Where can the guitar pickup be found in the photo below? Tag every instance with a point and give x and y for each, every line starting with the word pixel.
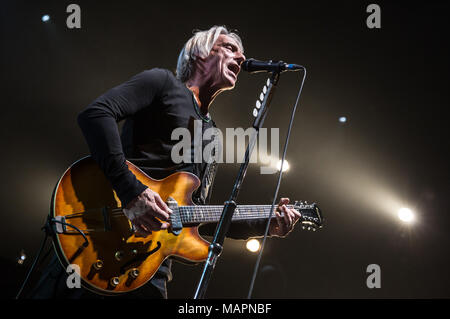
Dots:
pixel 175 219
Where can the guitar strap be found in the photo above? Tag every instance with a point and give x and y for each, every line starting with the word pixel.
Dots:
pixel 203 195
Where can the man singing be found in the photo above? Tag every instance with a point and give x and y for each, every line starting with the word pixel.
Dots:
pixel 153 103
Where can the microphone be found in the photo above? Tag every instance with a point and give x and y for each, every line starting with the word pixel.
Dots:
pixel 254 66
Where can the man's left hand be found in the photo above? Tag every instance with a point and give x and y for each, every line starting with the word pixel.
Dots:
pixel 283 225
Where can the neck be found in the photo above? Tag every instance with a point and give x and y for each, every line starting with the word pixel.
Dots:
pixel 204 91
pixel 212 213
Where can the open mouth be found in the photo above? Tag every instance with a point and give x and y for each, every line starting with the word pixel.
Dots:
pixel 234 68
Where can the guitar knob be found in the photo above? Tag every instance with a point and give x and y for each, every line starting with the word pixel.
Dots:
pixel 134 273
pixel 114 281
pixel 118 255
pixel 98 264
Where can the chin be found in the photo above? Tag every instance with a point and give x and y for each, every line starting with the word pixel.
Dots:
pixel 229 84
pixel 228 80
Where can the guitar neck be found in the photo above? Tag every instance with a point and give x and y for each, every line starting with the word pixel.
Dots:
pixel 211 214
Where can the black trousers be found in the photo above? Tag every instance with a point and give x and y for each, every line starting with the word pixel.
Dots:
pixel 52 285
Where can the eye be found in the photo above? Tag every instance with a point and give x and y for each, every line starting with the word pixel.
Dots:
pixel 229 47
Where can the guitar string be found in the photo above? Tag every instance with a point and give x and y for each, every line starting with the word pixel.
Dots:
pixel 190 214
pixel 209 208
pixel 198 213
pixel 206 212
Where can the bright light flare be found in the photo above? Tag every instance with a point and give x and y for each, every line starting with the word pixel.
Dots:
pixel 406 215
pixel 253 245
pixel 285 165
pixel 45 18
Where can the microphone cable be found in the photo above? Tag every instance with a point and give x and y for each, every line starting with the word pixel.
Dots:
pixel 258 260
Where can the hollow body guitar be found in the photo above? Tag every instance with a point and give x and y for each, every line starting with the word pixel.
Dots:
pixel 91 231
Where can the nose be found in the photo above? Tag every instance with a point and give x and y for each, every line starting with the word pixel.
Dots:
pixel 240 57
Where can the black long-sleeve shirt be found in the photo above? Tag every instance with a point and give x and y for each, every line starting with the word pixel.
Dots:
pixel 153 103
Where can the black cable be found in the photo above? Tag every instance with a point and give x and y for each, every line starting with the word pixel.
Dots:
pixel 48 230
pixel 86 243
pixel 255 271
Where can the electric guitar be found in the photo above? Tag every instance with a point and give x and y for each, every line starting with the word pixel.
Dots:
pixel 91 231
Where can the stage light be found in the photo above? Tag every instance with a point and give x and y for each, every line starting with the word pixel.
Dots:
pixel 22 257
pixel 253 245
pixel 45 18
pixel 342 119
pixel 405 215
pixel 285 165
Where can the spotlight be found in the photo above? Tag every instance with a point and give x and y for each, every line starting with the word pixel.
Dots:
pixel 342 119
pixel 22 257
pixel 253 245
pixel 285 165
pixel 45 18
pixel 405 215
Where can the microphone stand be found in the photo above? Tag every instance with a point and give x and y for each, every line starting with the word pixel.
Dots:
pixel 215 248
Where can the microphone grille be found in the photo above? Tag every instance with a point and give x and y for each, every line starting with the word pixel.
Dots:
pixel 246 64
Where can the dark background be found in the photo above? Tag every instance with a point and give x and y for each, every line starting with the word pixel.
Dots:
pixel 390 83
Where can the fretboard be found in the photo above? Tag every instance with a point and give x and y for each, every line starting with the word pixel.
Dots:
pixel 210 214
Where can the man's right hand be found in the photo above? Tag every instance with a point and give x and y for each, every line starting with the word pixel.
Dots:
pixel 143 211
